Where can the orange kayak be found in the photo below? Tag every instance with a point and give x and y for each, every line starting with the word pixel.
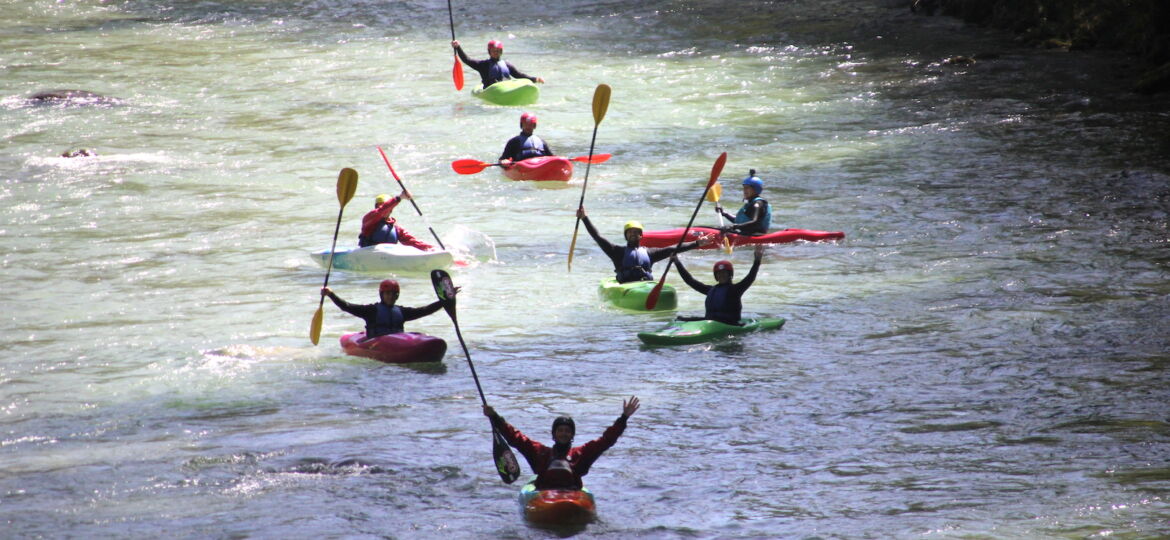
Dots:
pixel 557 506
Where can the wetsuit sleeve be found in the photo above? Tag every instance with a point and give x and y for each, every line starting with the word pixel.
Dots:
pixel 408 239
pixel 412 313
pixel 698 286
pixel 750 278
pixel 530 449
pixel 587 453
pixel 755 214
pixel 480 66
pixel 614 252
pixel 376 216
pixel 665 253
pixel 729 217
pixel 517 73
pixel 366 311
pixel 511 149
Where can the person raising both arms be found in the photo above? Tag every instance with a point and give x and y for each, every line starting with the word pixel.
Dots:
pixel 386 316
pixel 562 465
pixel 755 216
pixel 526 144
pixel 631 262
pixel 379 228
pixel 493 69
pixel 723 302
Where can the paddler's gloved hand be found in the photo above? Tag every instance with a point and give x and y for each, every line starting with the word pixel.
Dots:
pixel 489 412
pixel 718 209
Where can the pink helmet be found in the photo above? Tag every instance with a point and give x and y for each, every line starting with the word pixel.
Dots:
pixel 723 265
pixel 527 117
pixel 495 44
pixel 388 285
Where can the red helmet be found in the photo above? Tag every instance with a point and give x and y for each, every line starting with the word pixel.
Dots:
pixel 388 285
pixel 527 117
pixel 495 44
pixel 723 265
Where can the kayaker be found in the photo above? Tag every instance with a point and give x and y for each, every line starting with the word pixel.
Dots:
pixel 562 465
pixel 525 145
pixel 632 262
pixel 493 70
pixel 724 297
pixel 755 216
pixel 379 228
pixel 385 316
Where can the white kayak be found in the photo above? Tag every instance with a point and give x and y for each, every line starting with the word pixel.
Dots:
pixel 386 258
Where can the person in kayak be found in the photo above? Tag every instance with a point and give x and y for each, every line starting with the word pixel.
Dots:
pixel 385 316
pixel 755 216
pixel 563 465
pixel 525 145
pixel 724 297
pixel 379 228
pixel 493 70
pixel 632 262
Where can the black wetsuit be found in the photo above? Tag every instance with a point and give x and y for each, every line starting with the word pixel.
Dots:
pixel 755 220
pixel 618 255
pixel 484 68
pixel 389 324
pixel 723 301
pixel 524 146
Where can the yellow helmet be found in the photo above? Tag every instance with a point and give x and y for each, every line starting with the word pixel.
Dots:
pixel 632 224
pixel 381 199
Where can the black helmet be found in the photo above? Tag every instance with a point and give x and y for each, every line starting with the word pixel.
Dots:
pixel 564 420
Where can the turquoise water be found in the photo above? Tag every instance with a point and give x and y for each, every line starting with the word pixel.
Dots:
pixel 984 355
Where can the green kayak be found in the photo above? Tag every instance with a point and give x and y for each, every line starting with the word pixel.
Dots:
pixel 509 92
pixel 633 295
pixel 690 332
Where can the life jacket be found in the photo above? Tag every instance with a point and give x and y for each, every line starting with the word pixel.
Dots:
pixel 498 72
pixel 743 217
pixel 532 146
pixel 721 306
pixel 559 475
pixel 389 320
pixel 386 233
pixel 635 266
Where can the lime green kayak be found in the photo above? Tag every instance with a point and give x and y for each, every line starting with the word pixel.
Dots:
pixel 690 332
pixel 509 92
pixel 633 295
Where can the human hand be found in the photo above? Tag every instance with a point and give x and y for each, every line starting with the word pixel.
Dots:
pixel 759 251
pixel 630 407
pixel 489 412
pixel 454 44
pixel 405 195
pixel 326 291
pixel 540 80
pixel 581 212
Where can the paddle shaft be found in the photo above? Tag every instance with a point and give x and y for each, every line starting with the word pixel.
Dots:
pixel 467 354
pixel 451 19
pixel 581 202
pixel 412 203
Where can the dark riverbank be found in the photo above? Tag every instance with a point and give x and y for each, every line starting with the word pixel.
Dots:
pixel 1138 27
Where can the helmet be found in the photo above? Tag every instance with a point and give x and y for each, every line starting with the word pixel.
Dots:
pixel 723 265
pixel 632 224
pixel 527 117
pixel 495 44
pixel 564 421
pixel 380 199
pixel 388 285
pixel 754 181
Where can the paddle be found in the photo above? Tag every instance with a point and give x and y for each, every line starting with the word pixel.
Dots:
pixel 346 186
pixel 713 195
pixel 600 105
pixel 506 464
pixel 652 299
pixel 412 203
pixel 457 70
pixel 472 166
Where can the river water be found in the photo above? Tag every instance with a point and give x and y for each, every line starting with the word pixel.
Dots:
pixel 983 356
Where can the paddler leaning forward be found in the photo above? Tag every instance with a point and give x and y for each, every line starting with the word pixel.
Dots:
pixel 631 262
pixel 562 465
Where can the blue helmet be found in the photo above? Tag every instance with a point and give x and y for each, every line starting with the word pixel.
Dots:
pixel 754 181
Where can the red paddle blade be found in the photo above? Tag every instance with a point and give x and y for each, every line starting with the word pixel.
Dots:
pixel 716 169
pixel 652 298
pixel 457 74
pixel 595 158
pixel 469 166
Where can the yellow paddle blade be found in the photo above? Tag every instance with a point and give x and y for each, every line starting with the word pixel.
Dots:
pixel 600 102
pixel 315 327
pixel 347 182
pixel 715 192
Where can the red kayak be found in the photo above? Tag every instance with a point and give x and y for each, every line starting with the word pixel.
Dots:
pixel 554 168
pixel 670 237
pixel 402 348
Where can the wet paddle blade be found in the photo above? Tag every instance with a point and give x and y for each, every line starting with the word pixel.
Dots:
pixel 469 166
pixel 347 182
pixel 594 159
pixel 714 193
pixel 444 290
pixel 315 327
pixel 600 102
pixel 506 464
pixel 457 74
pixel 652 298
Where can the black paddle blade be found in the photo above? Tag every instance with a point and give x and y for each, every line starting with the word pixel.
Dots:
pixel 444 289
pixel 506 463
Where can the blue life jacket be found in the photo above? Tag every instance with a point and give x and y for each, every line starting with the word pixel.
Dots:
pixel 742 216
pixel 498 72
pixel 532 146
pixel 635 266
pixel 388 321
pixel 721 306
pixel 386 233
